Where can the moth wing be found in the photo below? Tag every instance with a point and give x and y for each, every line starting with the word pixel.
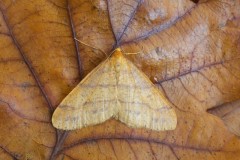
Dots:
pixel 91 102
pixel 142 104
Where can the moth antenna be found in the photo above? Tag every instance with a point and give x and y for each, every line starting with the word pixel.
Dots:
pixel 130 53
pixel 103 51
pixel 134 53
pixel 91 46
pixel 107 56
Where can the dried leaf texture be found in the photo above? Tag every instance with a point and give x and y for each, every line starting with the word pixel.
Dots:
pixel 189 50
pixel 115 89
pixel 229 113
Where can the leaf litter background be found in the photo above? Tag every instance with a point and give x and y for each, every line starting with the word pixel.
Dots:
pixel 190 50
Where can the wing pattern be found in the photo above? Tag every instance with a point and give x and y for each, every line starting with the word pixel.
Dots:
pixel 116 88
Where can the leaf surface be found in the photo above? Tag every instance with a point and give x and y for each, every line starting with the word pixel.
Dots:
pixel 191 51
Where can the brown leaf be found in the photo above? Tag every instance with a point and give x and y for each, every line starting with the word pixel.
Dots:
pixel 191 51
pixel 229 113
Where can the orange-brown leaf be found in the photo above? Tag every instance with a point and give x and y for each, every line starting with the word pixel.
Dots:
pixel 190 50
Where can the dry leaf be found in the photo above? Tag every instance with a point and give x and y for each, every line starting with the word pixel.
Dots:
pixel 229 113
pixel 191 51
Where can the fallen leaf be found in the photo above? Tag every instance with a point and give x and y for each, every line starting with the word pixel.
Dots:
pixel 191 51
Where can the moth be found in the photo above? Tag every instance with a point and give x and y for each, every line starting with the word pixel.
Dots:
pixel 115 89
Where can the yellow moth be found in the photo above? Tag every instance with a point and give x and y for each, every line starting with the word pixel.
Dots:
pixel 115 89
